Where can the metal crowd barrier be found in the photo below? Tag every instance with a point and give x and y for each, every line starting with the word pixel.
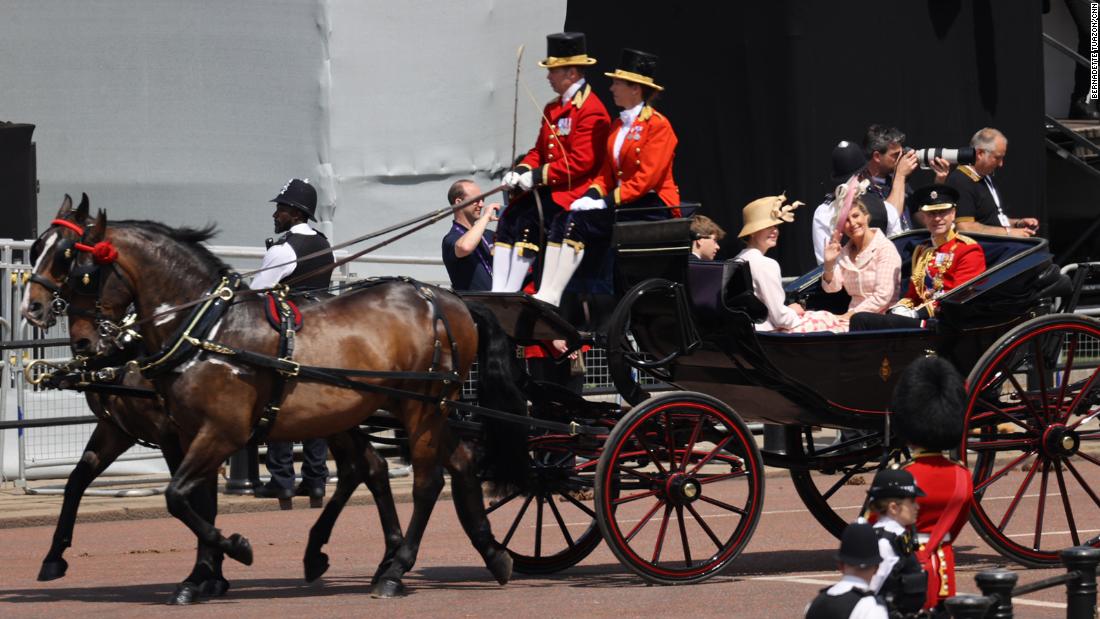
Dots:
pixel 999 586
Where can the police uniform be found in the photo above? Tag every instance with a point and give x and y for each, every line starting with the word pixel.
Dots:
pixel 566 157
pixel 851 598
pixel 636 172
pixel 935 269
pixel 978 198
pixel 901 579
pixel 300 240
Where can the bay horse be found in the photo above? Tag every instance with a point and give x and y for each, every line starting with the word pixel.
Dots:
pixel 394 326
pixel 125 421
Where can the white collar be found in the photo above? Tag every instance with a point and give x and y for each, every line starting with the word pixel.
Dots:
pixel 856 582
pixel 302 228
pixel 572 90
pixel 628 116
pixel 891 525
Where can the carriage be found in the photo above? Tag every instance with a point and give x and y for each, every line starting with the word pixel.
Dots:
pixel 674 482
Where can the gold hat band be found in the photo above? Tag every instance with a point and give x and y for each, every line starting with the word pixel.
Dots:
pixel 940 206
pixel 637 78
pixel 567 61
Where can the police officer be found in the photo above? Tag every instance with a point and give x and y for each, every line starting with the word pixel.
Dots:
pixel 294 205
pixel 900 580
pixel 851 598
pixel 560 167
pixel 945 261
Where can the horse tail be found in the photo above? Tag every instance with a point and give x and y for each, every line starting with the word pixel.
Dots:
pixel 505 458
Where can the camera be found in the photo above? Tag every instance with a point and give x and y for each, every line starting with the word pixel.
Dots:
pixel 925 156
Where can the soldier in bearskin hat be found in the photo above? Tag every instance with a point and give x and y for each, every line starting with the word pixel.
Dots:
pixel 560 167
pixel 928 409
pixel 294 206
pixel 636 173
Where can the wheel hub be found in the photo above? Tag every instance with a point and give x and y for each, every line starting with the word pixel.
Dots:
pixel 1060 441
pixel 683 489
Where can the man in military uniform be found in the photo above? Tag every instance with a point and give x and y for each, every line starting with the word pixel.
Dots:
pixel 563 163
pixel 944 262
pixel 928 406
pixel 851 598
pixel 980 205
pixel 294 205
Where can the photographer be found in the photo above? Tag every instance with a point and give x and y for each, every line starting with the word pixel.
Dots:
pixel 889 166
pixel 980 205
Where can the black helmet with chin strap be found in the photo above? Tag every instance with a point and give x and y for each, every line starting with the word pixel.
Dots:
pixel 299 194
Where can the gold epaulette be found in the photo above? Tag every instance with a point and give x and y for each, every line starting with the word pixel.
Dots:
pixel 965 240
pixel 970 173
pixel 646 112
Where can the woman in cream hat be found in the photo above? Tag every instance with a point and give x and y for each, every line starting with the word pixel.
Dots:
pixel 761 231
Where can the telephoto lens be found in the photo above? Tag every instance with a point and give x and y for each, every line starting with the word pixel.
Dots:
pixel 954 156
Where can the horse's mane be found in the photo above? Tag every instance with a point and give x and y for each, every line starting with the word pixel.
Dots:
pixel 192 237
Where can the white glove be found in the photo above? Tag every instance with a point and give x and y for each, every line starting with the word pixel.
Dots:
pixel 511 179
pixel 585 203
pixel 526 180
pixel 901 310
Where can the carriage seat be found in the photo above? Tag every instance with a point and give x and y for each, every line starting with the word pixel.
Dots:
pixel 719 289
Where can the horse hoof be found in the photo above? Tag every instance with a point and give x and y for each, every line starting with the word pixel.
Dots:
pixel 239 549
pixel 214 587
pixel 52 570
pixel 316 566
pixel 501 566
pixel 387 588
pixel 186 593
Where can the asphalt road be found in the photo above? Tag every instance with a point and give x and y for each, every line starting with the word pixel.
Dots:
pixel 128 568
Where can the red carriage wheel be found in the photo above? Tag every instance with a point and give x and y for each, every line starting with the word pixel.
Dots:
pixel 552 526
pixel 679 488
pixel 1033 439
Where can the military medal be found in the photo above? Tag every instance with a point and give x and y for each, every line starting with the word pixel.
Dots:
pixel 564 125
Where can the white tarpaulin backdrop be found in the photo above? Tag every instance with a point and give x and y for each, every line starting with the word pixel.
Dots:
pixel 199 111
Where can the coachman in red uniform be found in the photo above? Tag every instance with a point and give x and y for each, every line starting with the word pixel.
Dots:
pixel 928 408
pixel 636 172
pixel 565 159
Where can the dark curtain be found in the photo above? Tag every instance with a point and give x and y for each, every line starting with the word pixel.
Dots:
pixel 759 92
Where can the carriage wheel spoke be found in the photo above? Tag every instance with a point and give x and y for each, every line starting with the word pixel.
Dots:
pixel 633 497
pixel 661 535
pixel 1089 435
pixel 683 535
pixel 1065 376
pixel 1042 504
pixel 1041 372
pixel 1001 445
pixel 850 473
pixel 691 442
pixel 1089 458
pixel 1065 504
pixel 997 410
pixel 645 520
pixel 1081 480
pixel 638 474
pixel 652 454
pixel 1019 494
pixel 561 522
pixel 515 523
pixel 581 506
pixel 713 478
pixel 669 444
pixel 1026 400
pixel 714 452
pixel 703 525
pixel 1006 468
pixel 492 508
pixel 1080 394
pixel 723 505
pixel 538 528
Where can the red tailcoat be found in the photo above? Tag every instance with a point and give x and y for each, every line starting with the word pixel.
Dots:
pixel 942 480
pixel 935 271
pixel 570 147
pixel 644 163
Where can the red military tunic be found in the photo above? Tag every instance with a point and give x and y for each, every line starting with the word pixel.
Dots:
pixel 569 150
pixel 644 163
pixel 935 271
pixel 949 490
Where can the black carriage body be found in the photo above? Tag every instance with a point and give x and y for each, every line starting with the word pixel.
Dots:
pixel 699 329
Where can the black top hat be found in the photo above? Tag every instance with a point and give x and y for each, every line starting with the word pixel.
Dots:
pixel 934 198
pixel 848 158
pixel 894 484
pixel 299 194
pixel 638 67
pixel 859 546
pixel 566 49
pixel 929 404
